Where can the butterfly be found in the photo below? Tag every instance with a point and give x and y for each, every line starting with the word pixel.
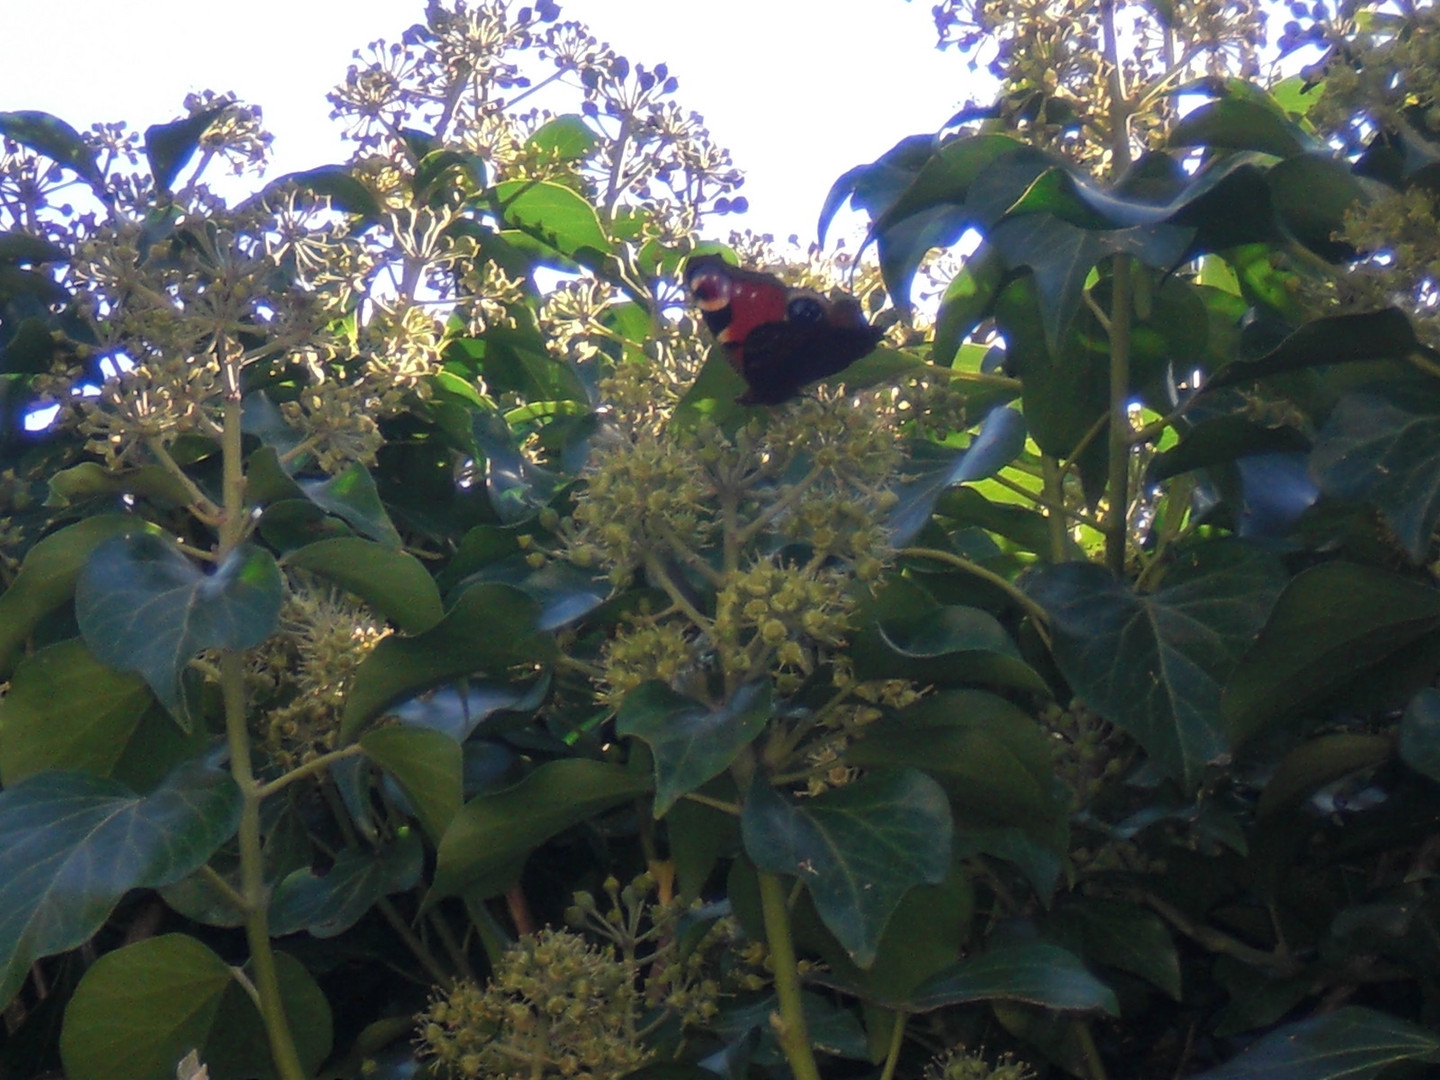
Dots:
pixel 776 338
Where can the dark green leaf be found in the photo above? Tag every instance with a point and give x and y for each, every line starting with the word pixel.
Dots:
pixel 394 583
pixel 967 300
pixel 169 146
pixel 67 711
pixel 690 742
pixel 90 478
pixel 1016 970
pixel 47 576
pixel 858 848
pixel 554 214
pixel 487 843
pixel 1332 623
pixel 1351 1043
pixel 338 184
pixel 351 496
pixel 427 764
pixel 953 645
pixel 21 247
pixel 329 905
pixel 55 139
pixel 1313 193
pixel 1420 733
pixel 464 171
pixel 490 629
pixel 1242 124
pixel 1221 441
pixel 1382 448
pixel 875 186
pixel 999 442
pixel 1336 339
pixel 71 845
pixel 141 1008
pixel 1155 664
pixel 946 177
pixel 1120 935
pixel 992 759
pixel 1317 762
pixel 143 606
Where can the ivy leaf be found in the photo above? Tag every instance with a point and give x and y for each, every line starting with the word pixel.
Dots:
pixel 946 177
pixel 966 301
pixel 339 185
pixel 1154 664
pixel 143 606
pixel 1034 972
pixel 999 441
pixel 58 141
pixel 1120 935
pixel 71 845
pixel 1336 339
pixel 1351 1043
pixel 1420 733
pixel 141 1008
pixel 1313 193
pixel 1332 624
pixel 556 215
pixel 47 576
pixel 428 765
pixel 690 742
pixel 489 629
pixel 565 138
pixel 858 848
pixel 394 583
pixel 1382 447
pixel 169 146
pixel 1237 123
pixel 329 905
pixel 485 847
pixel 353 498
pixel 65 710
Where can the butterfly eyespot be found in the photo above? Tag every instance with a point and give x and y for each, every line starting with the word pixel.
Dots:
pixel 805 309
pixel 711 290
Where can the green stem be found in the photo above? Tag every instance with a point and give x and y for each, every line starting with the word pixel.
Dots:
pixel 314 765
pixel 1117 486
pixel 1055 492
pixel 232 688
pixel 1088 1049
pixel 794 1038
pixel 897 1039
pixel 1030 607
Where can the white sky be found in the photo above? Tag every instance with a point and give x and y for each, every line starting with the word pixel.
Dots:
pixel 798 90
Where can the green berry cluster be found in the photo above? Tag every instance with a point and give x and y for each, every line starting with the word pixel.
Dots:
pixel 963 1064
pixel 1090 754
pixel 555 1007
pixel 780 613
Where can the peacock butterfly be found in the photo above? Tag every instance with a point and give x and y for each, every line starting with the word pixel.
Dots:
pixel 777 338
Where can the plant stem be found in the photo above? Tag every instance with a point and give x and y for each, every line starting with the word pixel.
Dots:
pixel 232 687
pixel 1093 1064
pixel 1055 492
pixel 1117 525
pixel 1030 607
pixel 897 1040
pixel 794 1038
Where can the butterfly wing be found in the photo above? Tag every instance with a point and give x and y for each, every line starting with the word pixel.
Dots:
pixel 777 338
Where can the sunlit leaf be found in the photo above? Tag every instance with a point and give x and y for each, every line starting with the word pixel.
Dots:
pixel 394 583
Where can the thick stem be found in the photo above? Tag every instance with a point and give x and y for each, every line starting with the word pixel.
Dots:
pixel 232 687
pixel 897 1040
pixel 1117 486
pixel 1055 491
pixel 794 1038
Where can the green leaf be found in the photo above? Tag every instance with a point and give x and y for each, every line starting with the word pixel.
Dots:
pixel 1419 733
pixel 490 629
pixel 966 301
pixel 993 760
pixel 1336 339
pixel 1155 664
pixel 338 184
pixel 1242 124
pixel 428 765
pixel 690 742
pixel 143 606
pixel 47 576
pixel 1034 972
pixel 1220 441
pixel 1317 762
pixel 71 845
pixel 141 1008
pixel 351 496
pixel 1313 193
pixel 394 583
pixel 1333 623
pixel 950 646
pixel 329 905
pixel 90 478
pixel 55 139
pixel 1382 448
pixel 486 845
pixel 439 166
pixel 1351 1043
pixel 946 177
pixel 67 711
pixel 169 146
pixel 858 848
pixel 1120 935
pixel 565 138
pixel 554 214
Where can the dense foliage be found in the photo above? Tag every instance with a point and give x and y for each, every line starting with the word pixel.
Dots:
pixel 420 663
